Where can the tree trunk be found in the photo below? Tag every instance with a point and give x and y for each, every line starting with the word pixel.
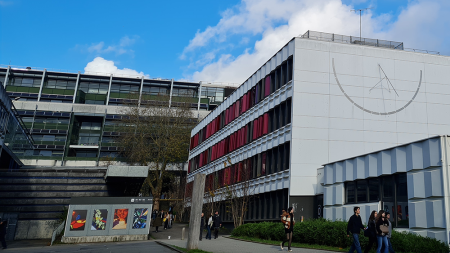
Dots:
pixel 156 203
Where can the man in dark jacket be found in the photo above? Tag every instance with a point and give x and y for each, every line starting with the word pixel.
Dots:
pixel 217 224
pixel 354 226
pixel 3 225
pixel 202 225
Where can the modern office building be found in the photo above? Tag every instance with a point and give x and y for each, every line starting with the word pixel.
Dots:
pixel 321 98
pixel 73 117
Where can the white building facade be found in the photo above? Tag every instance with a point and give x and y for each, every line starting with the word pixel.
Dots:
pixel 321 98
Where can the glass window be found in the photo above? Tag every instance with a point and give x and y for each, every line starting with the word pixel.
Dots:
pixel 374 189
pixel 351 192
pixel 361 189
pixel 402 201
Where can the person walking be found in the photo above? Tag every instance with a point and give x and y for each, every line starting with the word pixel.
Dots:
pixel 373 232
pixel 171 219
pixel 354 226
pixel 158 220
pixel 388 221
pixel 289 222
pixel 166 220
pixel 382 231
pixel 208 226
pixel 217 223
pixel 202 225
pixel 3 225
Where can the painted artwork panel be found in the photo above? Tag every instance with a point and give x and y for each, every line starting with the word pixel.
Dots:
pixel 140 218
pixel 78 221
pixel 99 219
pixel 120 219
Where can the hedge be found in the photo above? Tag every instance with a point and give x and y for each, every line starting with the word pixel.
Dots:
pixel 333 233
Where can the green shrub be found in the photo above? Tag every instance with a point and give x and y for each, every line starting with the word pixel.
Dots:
pixel 324 232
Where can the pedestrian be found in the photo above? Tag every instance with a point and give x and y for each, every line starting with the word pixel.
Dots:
pixel 289 222
pixel 166 220
pixel 202 225
pixel 171 219
pixel 388 221
pixel 354 226
pixel 373 232
pixel 3 225
pixel 382 231
pixel 208 226
pixel 158 220
pixel 217 223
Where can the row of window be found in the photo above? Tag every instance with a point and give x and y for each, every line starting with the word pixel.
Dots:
pixel 391 190
pixel 266 86
pixel 266 123
pixel 271 161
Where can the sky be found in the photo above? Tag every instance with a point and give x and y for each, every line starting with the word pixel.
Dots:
pixel 201 40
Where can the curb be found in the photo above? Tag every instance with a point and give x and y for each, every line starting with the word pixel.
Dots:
pixel 168 246
pixel 238 239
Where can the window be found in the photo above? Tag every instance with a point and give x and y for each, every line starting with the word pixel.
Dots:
pixel 361 191
pixel 350 193
pixel 374 189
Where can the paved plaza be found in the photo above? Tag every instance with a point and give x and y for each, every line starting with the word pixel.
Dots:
pixel 221 244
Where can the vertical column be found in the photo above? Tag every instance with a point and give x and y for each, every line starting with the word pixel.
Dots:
pixel 140 91
pixel 199 96
pixel 196 211
pixel 42 84
pixel 76 88
pixel 170 96
pixel 6 77
pixel 109 90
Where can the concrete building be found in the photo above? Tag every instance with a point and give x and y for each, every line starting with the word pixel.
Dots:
pixel 73 117
pixel 321 98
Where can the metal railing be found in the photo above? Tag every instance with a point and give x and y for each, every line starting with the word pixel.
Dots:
pixel 57 231
pixel 422 51
pixel 352 40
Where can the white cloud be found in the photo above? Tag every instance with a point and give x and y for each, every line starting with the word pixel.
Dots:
pixel 119 49
pixel 100 66
pixel 422 24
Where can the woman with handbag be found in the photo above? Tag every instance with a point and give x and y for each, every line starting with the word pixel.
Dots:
pixel 382 231
pixel 289 222
pixel 371 232
pixel 166 220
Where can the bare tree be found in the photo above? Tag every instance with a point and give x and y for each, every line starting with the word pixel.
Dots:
pixel 239 193
pixel 156 134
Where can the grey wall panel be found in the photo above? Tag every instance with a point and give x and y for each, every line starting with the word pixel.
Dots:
pixel 437 234
pixel 384 163
pixel 398 159
pixel 328 174
pixel 339 194
pixel 370 165
pixel 433 183
pixel 435 213
pixel 360 168
pixel 432 156
pixel 416 185
pixel 328 196
pixel 417 214
pixel 339 211
pixel 349 175
pixel 338 172
pixel 414 156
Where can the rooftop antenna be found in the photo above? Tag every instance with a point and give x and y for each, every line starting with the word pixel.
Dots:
pixel 360 11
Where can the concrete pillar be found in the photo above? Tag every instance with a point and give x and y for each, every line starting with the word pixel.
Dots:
pixel 109 90
pixel 170 96
pixel 196 211
pixel 199 96
pixel 140 91
pixel 76 87
pixel 6 77
pixel 42 84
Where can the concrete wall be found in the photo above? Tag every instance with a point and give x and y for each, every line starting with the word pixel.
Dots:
pixel 333 80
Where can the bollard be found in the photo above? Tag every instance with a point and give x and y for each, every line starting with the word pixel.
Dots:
pixel 182 233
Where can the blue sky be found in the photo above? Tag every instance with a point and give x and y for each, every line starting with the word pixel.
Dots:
pixel 196 40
